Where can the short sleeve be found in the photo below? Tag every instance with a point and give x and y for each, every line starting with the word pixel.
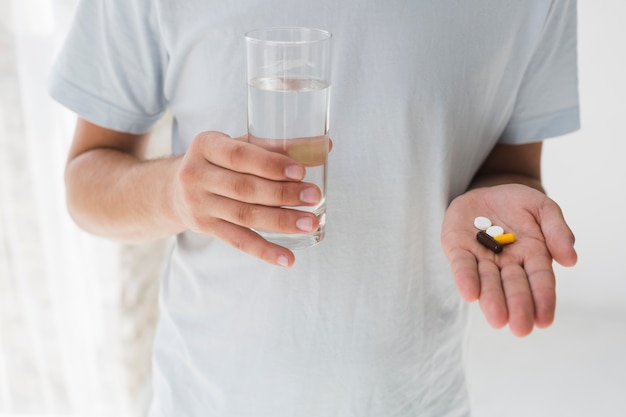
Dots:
pixel 111 68
pixel 547 101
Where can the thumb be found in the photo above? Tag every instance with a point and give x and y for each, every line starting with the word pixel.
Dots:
pixel 559 237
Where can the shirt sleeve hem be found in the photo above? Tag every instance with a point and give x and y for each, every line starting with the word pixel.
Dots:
pixel 542 127
pixel 98 111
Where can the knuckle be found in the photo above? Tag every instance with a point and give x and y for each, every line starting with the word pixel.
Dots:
pixel 205 144
pixel 191 201
pixel 192 219
pixel 187 172
pixel 204 222
pixel 245 214
pixel 282 194
pixel 237 154
pixel 193 212
pixel 291 194
pixel 243 186
pixel 187 190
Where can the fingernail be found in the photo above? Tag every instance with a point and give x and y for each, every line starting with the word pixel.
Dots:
pixel 283 261
pixel 294 172
pixel 305 224
pixel 309 195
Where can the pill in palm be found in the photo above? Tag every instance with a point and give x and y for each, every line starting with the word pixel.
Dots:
pixel 488 242
pixel 482 223
pixel 505 238
pixel 494 231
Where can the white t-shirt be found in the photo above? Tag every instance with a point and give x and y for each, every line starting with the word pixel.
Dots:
pixel 367 323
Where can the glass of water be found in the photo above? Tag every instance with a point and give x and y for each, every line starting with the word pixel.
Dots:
pixel 288 108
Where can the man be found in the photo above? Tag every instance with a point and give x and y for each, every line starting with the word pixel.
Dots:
pixel 438 112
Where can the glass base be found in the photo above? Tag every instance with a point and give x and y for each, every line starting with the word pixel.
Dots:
pixel 294 241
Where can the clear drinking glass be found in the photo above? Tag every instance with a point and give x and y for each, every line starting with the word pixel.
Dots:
pixel 288 108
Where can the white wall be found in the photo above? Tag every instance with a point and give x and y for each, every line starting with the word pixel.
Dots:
pixel 586 171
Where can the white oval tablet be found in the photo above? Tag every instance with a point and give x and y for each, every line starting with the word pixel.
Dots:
pixel 482 223
pixel 494 231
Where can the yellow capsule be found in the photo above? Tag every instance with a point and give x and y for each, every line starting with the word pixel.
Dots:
pixel 505 238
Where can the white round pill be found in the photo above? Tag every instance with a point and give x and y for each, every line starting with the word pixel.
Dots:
pixel 482 223
pixel 494 231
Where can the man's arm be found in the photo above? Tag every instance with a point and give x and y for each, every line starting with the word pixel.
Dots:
pixel 517 286
pixel 221 187
pixel 112 191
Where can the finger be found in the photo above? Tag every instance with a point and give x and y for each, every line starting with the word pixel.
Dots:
pixel 257 216
pixel 252 189
pixel 244 157
pixel 492 300
pixel 465 273
pixel 543 288
pixel 558 236
pixel 519 301
pixel 252 243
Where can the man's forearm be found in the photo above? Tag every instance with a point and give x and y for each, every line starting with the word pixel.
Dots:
pixel 115 195
pixel 511 164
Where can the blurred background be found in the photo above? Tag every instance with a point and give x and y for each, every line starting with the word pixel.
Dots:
pixel 77 313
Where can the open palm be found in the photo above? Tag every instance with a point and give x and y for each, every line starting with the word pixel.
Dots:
pixel 516 286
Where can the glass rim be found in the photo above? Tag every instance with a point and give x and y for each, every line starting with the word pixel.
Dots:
pixel 322 35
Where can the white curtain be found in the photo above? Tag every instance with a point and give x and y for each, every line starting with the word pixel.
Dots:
pixel 76 315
